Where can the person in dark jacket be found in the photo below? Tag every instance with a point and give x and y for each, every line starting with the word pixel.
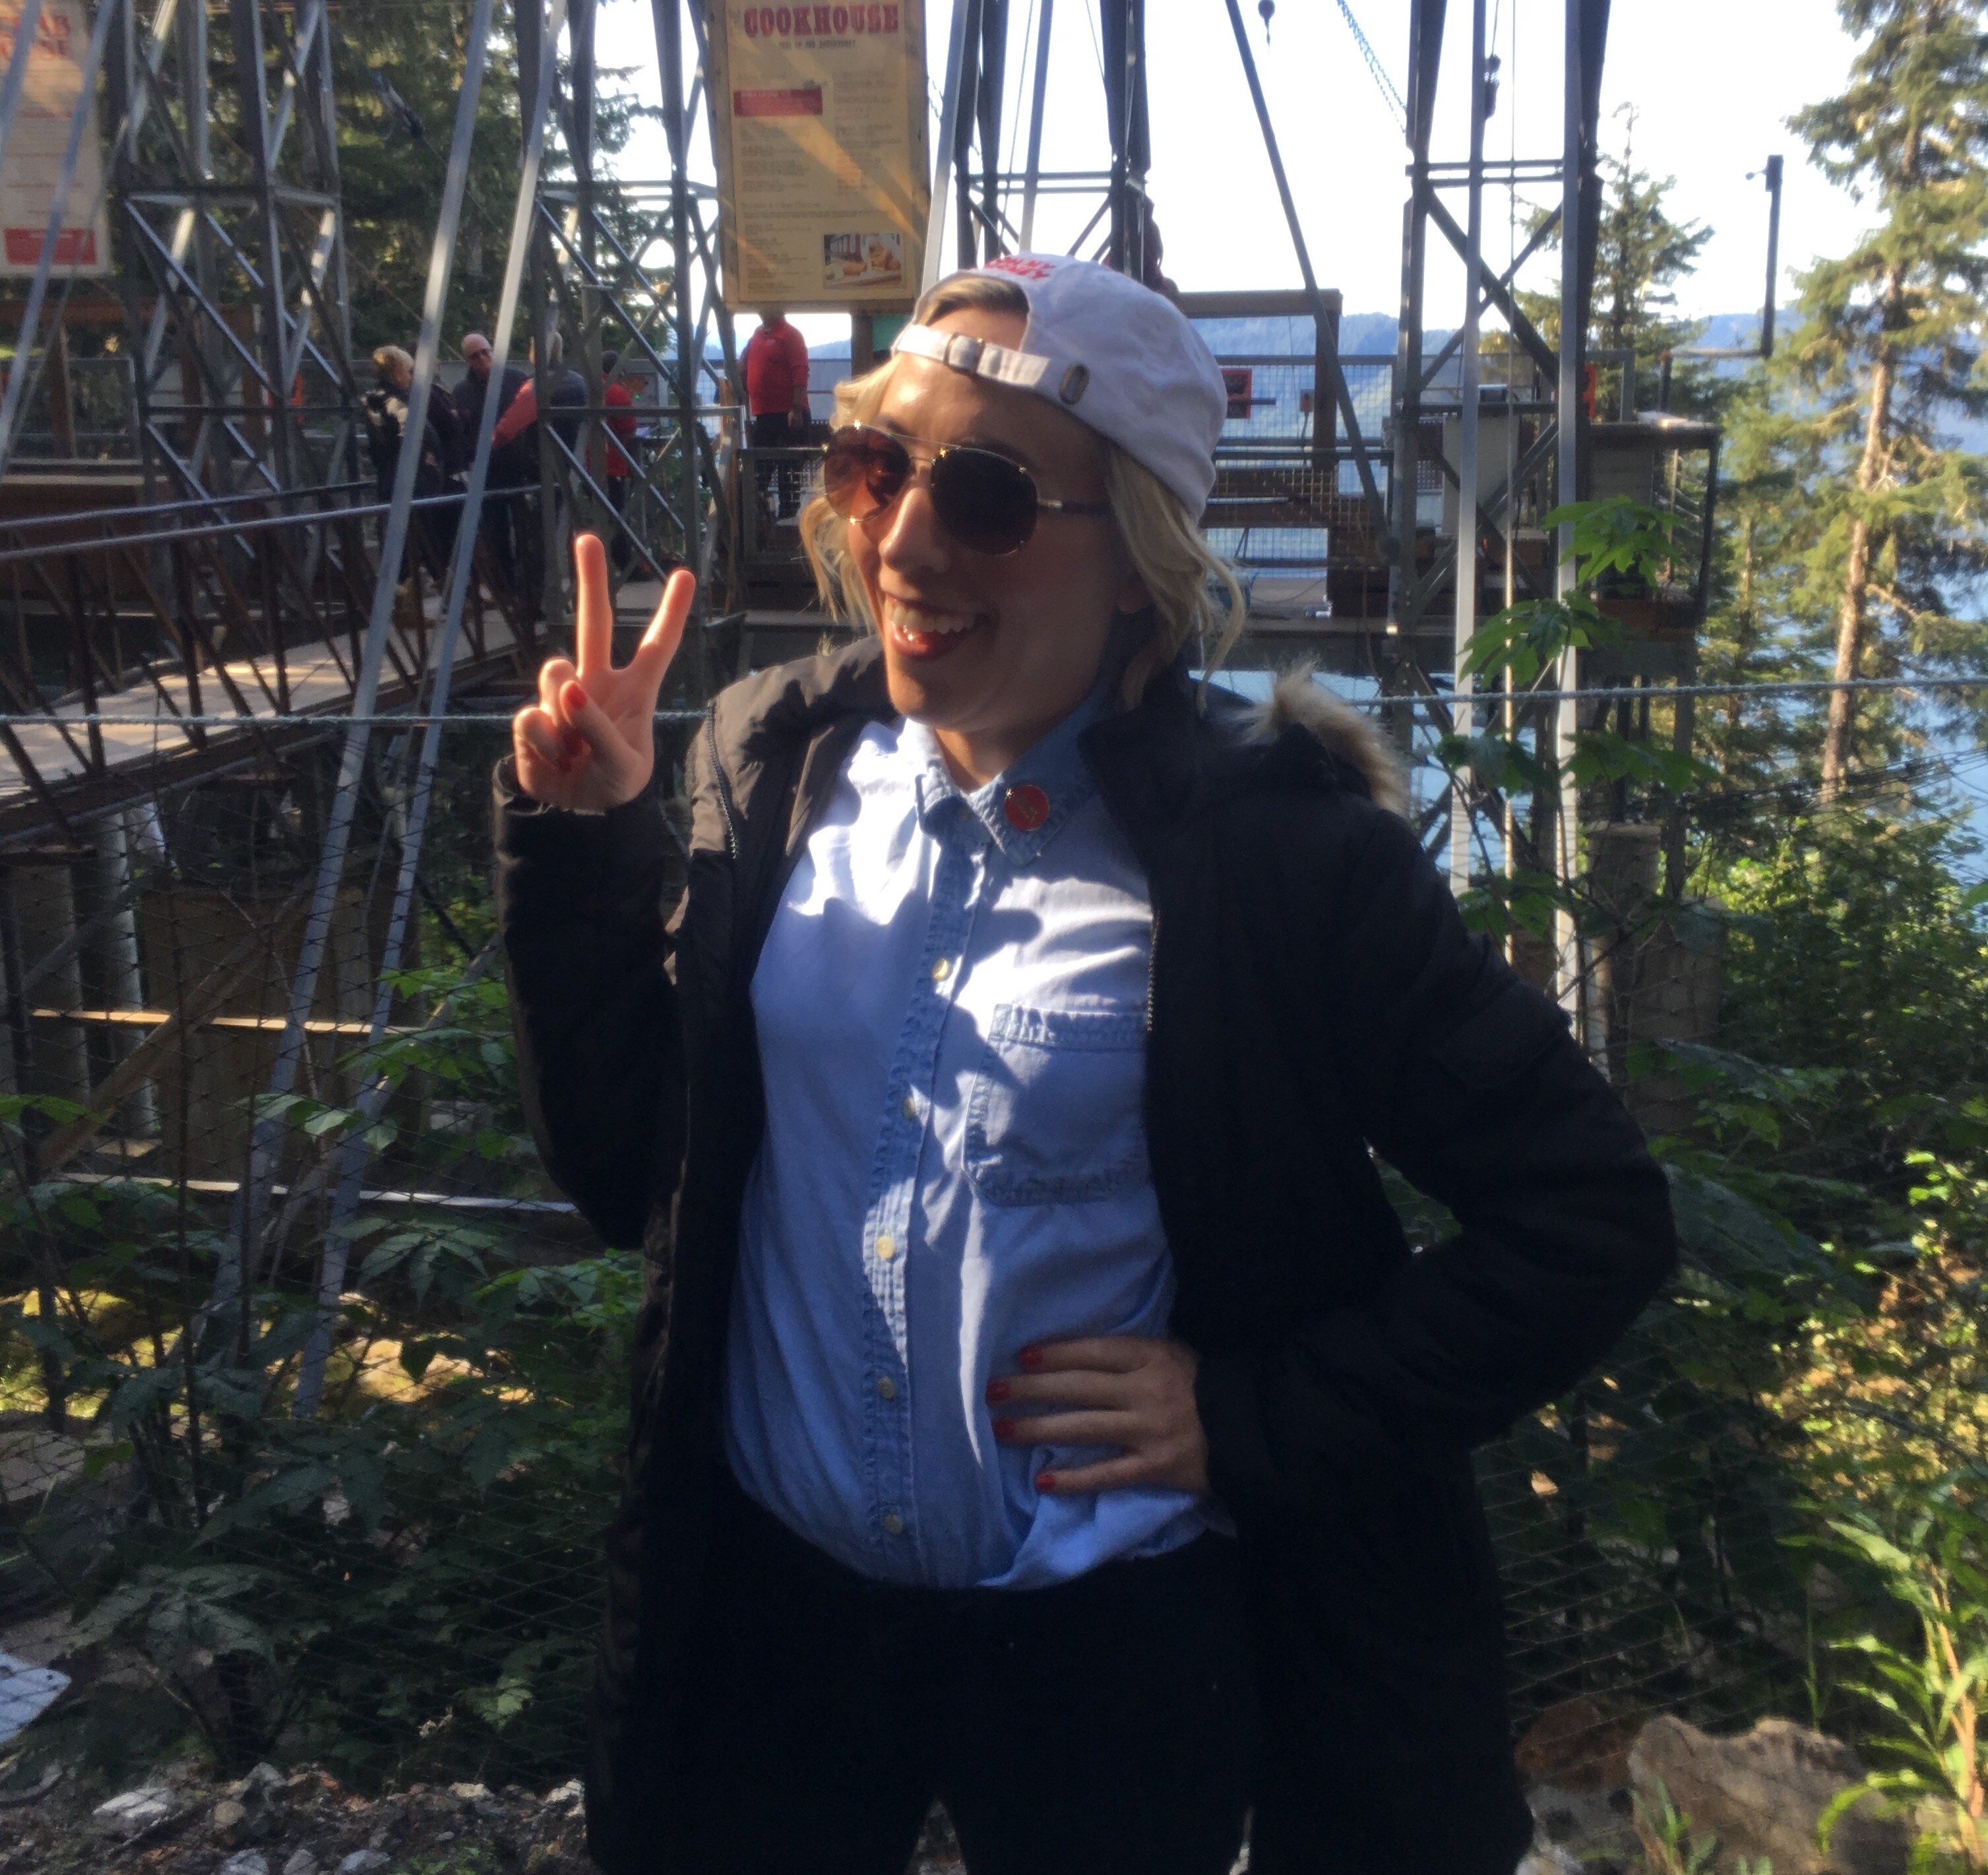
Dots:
pixel 481 382
pixel 385 409
pixel 1036 1404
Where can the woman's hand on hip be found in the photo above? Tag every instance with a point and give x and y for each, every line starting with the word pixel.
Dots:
pixel 588 742
pixel 1114 1390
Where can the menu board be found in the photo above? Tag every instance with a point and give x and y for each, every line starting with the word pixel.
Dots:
pixel 53 82
pixel 818 122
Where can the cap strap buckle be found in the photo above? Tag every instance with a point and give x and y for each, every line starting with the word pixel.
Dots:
pixel 976 357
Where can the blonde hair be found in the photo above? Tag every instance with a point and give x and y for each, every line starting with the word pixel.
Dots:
pixel 386 356
pixel 1161 539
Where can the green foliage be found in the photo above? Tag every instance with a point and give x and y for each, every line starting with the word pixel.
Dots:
pixel 1641 255
pixel 404 1584
pixel 1934 1563
pixel 1888 526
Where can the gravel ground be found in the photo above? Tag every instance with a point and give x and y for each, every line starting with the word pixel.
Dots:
pixel 180 1821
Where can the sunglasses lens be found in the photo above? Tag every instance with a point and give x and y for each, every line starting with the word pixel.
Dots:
pixel 863 470
pixel 983 500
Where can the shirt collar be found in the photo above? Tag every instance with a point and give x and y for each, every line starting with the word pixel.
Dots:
pixel 1054 766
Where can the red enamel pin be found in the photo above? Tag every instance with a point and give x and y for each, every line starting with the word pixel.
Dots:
pixel 1027 807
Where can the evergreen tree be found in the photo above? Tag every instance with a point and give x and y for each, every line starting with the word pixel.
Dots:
pixel 1640 255
pixel 1890 348
pixel 398 71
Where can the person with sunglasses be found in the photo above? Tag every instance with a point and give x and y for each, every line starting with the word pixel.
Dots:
pixel 1038 1407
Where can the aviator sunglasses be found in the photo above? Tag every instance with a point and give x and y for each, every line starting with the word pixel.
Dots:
pixel 986 501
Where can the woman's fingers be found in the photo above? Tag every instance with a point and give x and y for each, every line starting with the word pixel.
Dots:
pixel 541 759
pixel 1107 1474
pixel 659 644
pixel 1084 1386
pixel 1111 1353
pixel 554 675
pixel 1069 1429
pixel 594 609
pixel 622 767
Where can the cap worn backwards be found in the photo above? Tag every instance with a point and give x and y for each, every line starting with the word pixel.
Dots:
pixel 1114 353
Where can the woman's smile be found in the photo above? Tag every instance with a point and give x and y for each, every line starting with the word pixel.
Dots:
pixel 916 628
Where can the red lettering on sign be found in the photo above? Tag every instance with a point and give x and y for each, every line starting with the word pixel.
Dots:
pixel 799 104
pixel 840 16
pixel 75 247
pixel 890 19
pixel 751 23
pixel 783 20
pixel 822 16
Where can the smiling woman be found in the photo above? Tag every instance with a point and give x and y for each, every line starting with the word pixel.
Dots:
pixel 1038 1407
pixel 1153 543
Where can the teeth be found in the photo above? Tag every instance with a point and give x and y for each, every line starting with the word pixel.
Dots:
pixel 917 621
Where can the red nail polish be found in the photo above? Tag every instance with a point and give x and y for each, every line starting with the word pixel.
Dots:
pixel 573 697
pixel 1030 1357
pixel 571 743
pixel 997 1391
pixel 1046 1481
pixel 1004 1429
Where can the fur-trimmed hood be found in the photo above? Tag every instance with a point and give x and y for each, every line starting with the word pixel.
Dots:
pixel 1347 734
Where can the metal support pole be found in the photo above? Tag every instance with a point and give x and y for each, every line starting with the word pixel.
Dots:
pixel 1032 176
pixel 1773 256
pixel 950 105
pixel 352 1154
pixel 245 24
pixel 1123 24
pixel 1567 723
pixel 993 73
pixel 1321 314
pixel 966 238
pixel 1467 531
pixel 1423 67
pixel 266 1147
pixel 689 344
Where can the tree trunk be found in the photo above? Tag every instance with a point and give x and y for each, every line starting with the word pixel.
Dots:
pixel 1871 470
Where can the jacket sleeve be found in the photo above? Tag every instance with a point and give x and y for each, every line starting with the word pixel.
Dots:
pixel 1466 1080
pixel 601 1053
pixel 521 413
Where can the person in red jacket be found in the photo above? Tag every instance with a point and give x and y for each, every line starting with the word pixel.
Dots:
pixel 613 463
pixel 776 364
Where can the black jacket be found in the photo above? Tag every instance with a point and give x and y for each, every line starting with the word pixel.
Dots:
pixel 1313 994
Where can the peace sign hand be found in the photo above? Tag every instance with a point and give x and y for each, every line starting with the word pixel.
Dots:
pixel 589 743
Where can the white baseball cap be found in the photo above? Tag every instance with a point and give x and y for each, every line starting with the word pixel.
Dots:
pixel 1114 354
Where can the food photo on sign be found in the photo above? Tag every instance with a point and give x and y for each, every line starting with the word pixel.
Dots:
pixel 859 259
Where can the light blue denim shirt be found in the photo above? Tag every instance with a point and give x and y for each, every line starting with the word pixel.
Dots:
pixel 951 1020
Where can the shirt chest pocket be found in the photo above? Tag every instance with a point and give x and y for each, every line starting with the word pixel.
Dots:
pixel 1054 1116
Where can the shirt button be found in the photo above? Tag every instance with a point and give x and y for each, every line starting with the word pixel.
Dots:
pixel 909 1108
pixel 894 1524
pixel 942 969
pixel 887 1388
pixel 886 1248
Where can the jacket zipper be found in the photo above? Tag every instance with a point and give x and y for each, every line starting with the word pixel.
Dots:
pixel 1152 971
pixel 724 781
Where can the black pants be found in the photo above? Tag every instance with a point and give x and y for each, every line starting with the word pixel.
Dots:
pixel 776 431
pixel 1105 1726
